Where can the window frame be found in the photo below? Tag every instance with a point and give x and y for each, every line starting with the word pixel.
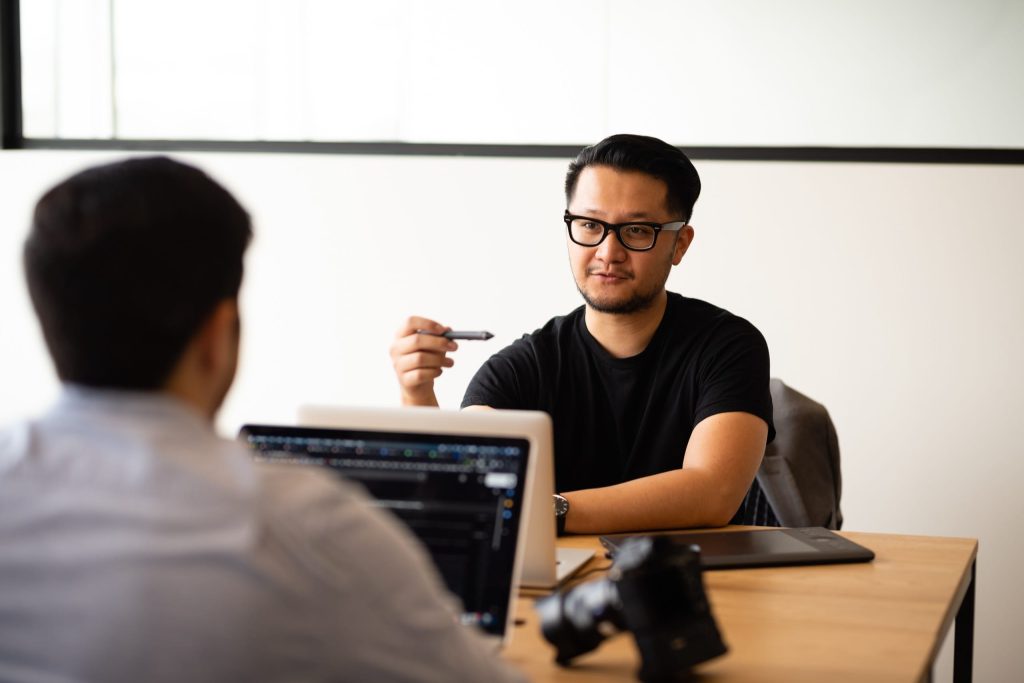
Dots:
pixel 13 135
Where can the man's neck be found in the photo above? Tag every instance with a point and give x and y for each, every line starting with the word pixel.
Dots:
pixel 195 401
pixel 626 334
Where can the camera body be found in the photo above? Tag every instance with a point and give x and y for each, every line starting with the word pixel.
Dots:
pixel 654 590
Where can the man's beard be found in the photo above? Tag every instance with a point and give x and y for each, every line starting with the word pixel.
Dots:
pixel 638 302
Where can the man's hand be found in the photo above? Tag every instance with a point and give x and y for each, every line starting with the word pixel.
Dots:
pixel 419 359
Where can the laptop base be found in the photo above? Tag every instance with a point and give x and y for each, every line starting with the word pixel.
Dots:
pixel 568 561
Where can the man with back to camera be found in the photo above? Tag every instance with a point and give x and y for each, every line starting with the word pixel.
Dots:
pixel 660 403
pixel 137 545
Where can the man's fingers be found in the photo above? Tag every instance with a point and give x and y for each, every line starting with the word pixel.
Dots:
pixel 414 342
pixel 419 356
pixel 415 323
pixel 421 359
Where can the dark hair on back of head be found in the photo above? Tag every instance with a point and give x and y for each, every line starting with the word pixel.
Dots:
pixel 125 262
pixel 626 152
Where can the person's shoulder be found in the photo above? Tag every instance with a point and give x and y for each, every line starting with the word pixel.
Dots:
pixel 553 333
pixel 302 497
pixel 15 444
pixel 690 307
pixel 334 530
pixel 695 314
pixel 557 326
pixel 315 506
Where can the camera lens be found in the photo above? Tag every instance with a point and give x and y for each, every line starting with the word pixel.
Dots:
pixel 578 621
pixel 654 590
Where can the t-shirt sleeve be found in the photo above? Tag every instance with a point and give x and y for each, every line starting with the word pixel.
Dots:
pixel 509 379
pixel 734 373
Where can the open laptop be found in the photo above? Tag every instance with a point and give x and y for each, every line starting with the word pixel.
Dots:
pixel 544 565
pixel 461 495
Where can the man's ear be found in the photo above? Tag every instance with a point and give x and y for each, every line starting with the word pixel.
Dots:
pixel 218 337
pixel 683 239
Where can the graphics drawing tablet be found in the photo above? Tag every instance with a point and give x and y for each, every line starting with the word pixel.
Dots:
pixel 764 548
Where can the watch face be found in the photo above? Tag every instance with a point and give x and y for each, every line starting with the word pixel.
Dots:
pixel 561 506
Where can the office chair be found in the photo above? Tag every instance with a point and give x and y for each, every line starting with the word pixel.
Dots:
pixel 800 473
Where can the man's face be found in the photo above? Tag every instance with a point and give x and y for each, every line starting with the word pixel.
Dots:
pixel 611 278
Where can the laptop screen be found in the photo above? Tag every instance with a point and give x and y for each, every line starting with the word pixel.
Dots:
pixel 461 495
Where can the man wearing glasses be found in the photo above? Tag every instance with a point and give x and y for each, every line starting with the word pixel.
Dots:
pixel 660 403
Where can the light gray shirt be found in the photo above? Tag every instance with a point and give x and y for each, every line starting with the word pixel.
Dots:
pixel 137 545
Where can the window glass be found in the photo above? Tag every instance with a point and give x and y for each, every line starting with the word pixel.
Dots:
pixel 869 73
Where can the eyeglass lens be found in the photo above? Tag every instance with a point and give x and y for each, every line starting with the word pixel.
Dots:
pixel 589 233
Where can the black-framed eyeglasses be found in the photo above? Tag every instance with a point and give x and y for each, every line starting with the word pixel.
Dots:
pixel 635 236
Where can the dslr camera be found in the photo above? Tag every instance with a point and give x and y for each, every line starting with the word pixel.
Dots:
pixel 655 591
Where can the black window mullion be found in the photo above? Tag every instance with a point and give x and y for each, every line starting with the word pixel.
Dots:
pixel 10 75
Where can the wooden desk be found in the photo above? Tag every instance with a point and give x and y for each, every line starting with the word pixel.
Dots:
pixel 879 621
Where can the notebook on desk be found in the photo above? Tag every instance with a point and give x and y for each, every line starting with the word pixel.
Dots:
pixel 461 495
pixel 764 547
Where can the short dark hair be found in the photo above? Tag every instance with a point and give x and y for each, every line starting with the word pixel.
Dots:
pixel 125 262
pixel 626 152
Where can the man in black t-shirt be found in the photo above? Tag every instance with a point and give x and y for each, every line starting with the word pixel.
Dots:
pixel 660 403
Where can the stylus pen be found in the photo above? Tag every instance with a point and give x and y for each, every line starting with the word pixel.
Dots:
pixel 474 335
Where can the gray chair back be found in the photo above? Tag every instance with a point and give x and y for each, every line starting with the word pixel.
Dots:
pixel 800 473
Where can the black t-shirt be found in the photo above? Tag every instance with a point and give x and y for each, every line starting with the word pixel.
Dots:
pixel 617 419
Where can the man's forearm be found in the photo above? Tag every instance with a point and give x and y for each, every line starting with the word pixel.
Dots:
pixel 671 500
pixel 722 458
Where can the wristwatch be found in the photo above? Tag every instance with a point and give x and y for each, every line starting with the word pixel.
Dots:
pixel 561 510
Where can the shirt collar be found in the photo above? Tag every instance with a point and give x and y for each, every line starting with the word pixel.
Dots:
pixel 128 404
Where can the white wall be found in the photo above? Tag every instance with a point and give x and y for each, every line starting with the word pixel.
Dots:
pixel 891 293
